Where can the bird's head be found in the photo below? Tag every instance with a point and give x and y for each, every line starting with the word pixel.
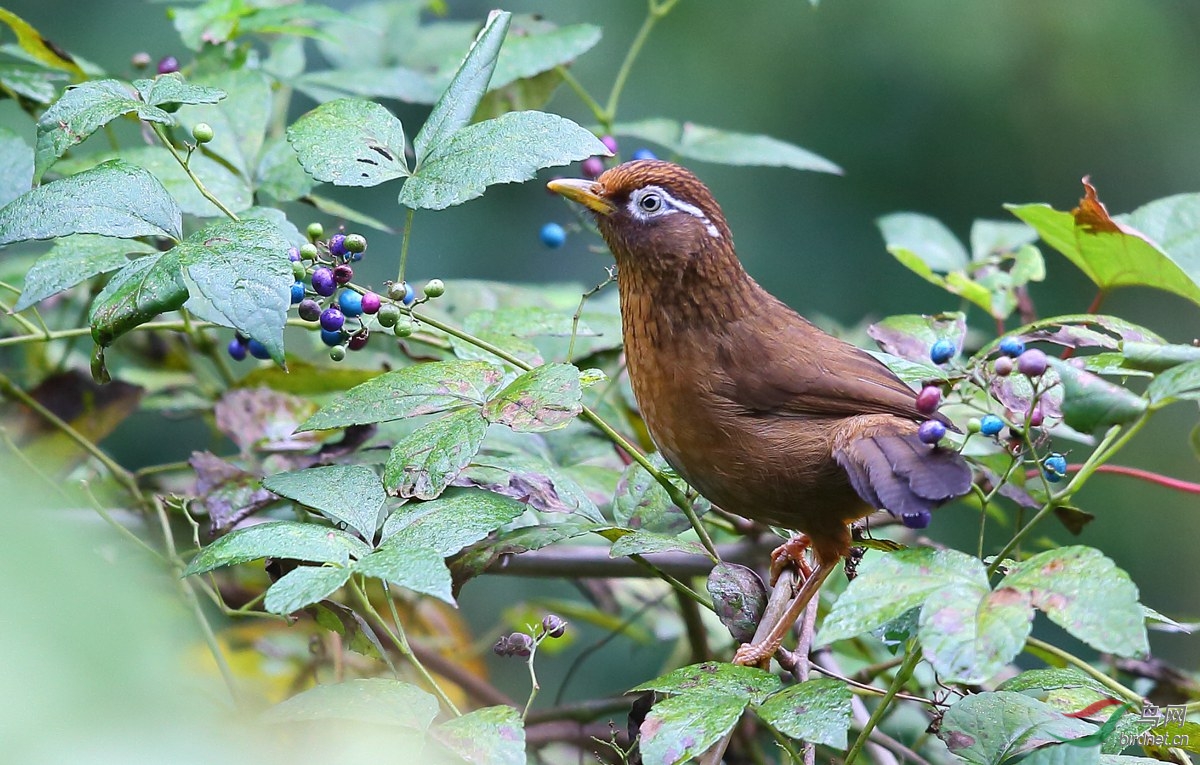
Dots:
pixel 652 213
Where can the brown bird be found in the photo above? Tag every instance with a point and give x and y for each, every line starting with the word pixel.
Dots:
pixel 763 413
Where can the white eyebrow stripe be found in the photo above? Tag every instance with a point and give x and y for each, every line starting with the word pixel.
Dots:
pixel 676 204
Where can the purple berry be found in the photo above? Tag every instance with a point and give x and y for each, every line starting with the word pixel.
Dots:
pixel 331 337
pixel 343 274
pixel 1003 366
pixel 294 254
pixel 237 349
pixel 520 644
pixel 168 64
pixel 323 282
pixel 332 319
pixel 257 349
pixel 644 154
pixel 309 309
pixel 501 647
pixel 931 431
pixel 337 246
pixel 942 351
pixel 297 292
pixel 554 626
pixel 928 399
pixel 916 520
pixel 609 142
pixel 1032 363
pixel 358 340
pixel 592 167
pixel 370 302
pixel 1036 417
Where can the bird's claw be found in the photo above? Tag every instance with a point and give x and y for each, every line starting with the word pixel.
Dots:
pixel 790 553
pixel 754 655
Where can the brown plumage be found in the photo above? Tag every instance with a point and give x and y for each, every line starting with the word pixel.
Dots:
pixel 762 412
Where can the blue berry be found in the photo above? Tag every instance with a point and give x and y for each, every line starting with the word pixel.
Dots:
pixel 942 351
pixel 294 254
pixel 331 337
pixel 257 349
pixel 644 154
pixel 990 425
pixel 1012 346
pixel 297 292
pixel 409 294
pixel 931 431
pixel 337 246
pixel 1054 467
pixel 553 235
pixel 237 349
pixel 350 302
pixel 918 519
pixel 332 319
pixel 323 282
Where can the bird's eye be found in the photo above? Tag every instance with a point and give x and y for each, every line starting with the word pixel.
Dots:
pixel 650 203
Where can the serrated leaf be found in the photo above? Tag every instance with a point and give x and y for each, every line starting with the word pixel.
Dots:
pixel 171 88
pixel 350 142
pixel 1179 382
pixel 446 525
pixel 73 259
pixel 303 586
pixel 420 389
pixel 725 147
pixel 927 238
pixel 682 727
pixel 739 599
pixel 461 97
pixel 419 569
pixel 374 701
pixel 423 463
pixel 349 494
pixel 114 198
pixel 507 149
pixel 817 711
pixel 1084 592
pixel 911 336
pixel 140 291
pixel 523 56
pixel 889 585
pixel 969 634
pixel 238 275
pixel 239 121
pixel 280 173
pixel 714 678
pixel 493 735
pixel 82 110
pixel 988 728
pixel 542 399
pixel 279 539
pixel 644 542
pixel 1090 402
pixel 641 502
pixel 16 165
pixel 1172 223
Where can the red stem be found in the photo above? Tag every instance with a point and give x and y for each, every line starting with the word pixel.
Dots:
pixel 1144 475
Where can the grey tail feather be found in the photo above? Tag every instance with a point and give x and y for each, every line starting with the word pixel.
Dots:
pixel 901 474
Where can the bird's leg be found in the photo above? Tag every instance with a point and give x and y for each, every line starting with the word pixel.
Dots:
pixel 790 553
pixel 754 654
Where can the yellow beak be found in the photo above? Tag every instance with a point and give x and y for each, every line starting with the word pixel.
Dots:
pixel 587 193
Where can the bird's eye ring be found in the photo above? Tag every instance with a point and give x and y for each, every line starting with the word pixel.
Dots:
pixel 650 203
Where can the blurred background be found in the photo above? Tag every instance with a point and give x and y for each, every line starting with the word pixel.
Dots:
pixel 946 108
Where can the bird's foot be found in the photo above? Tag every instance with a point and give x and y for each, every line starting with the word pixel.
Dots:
pixel 755 654
pixel 791 553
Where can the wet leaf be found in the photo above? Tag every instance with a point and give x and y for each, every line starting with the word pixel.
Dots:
pixel 1157 357
pixel 545 398
pixel 642 503
pixel 643 542
pixel 239 121
pixel 427 460
pixel 224 490
pixel 448 524
pixel 926 238
pixel 303 586
pixel 1174 384
pixel 173 89
pixel 739 598
pixel 714 678
pixel 278 539
pixel 376 700
pixel 725 147
pixel 413 567
pixel 1090 402
pixel 74 259
pixel 537 483
pixel 682 727
pixel 494 735
pixel 988 728
pixel 817 711
pixel 137 293
pixel 349 494
pixel 16 163
pixel 969 634
pixel 350 142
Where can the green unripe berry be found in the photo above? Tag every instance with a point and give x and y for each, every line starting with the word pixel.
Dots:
pixel 309 251
pixel 315 231
pixel 403 330
pixel 202 132
pixel 337 352
pixel 974 425
pixel 355 243
pixel 396 291
pixel 389 315
pixel 435 288
pixel 299 270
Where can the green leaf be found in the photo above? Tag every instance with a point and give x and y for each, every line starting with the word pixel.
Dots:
pixel 420 389
pixel 1084 592
pixel 279 539
pixel 526 321
pixel 681 727
pixel 303 586
pixel 988 728
pixel 643 542
pixel 39 48
pixel 1157 357
pixel 238 275
pixel 16 165
pixel 82 110
pixel 173 89
pixel 1090 402
pixel 424 462
pixel 910 336
pixel 925 237
pixel 73 259
pixel 1064 754
pixel 225 184
pixel 1112 257
pixel 32 82
pixel 1172 223
pixel 239 122
pixel 968 633
pixel 1180 382
pixel 507 149
pixel 889 585
pixel 374 701
pixel 713 679
pixel 725 147
pixel 641 502
pixel 280 173
pixel 816 710
pixel 349 494
pixel 542 485
pixel 139 292
pixel 1066 689
pixel 350 142
pixel 990 238
pixel 114 198
pixel 495 735
pixel 416 568
pixel 542 399
pixel 402 83
pixel 458 518
pixel 454 109
pixel 739 599
pixel 527 55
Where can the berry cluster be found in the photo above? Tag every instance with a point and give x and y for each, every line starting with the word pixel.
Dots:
pixel 553 235
pixel 522 644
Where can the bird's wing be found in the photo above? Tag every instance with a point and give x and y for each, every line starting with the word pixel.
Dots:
pixel 798 370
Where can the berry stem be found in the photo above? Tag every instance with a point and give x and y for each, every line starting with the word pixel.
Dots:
pixel 1177 484
pixel 162 136
pixel 911 659
pixel 408 223
pixel 597 110
pixel 657 9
